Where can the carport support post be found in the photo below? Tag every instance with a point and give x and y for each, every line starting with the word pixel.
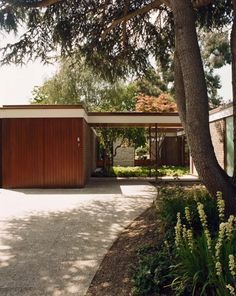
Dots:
pixel 150 150
pixel 156 171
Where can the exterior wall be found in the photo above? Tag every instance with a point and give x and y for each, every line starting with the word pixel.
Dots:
pixel 0 153
pixel 217 130
pixel 89 151
pixel 221 128
pixel 124 155
pixel 229 147
pixel 193 170
pixel 54 147
pixel 42 153
pixel 172 151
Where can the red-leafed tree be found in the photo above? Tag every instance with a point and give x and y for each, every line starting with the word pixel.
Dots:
pixel 162 103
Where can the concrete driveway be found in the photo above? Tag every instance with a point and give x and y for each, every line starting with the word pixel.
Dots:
pixel 52 241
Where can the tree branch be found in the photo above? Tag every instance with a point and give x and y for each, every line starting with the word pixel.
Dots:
pixel 36 4
pixel 153 5
pixel 124 24
pixel 145 9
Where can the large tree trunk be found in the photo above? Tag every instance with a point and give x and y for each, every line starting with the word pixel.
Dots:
pixel 193 106
pixel 233 54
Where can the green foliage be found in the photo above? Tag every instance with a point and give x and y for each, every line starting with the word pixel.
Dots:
pixel 145 171
pixel 173 171
pixel 117 97
pixel 151 83
pixel 189 268
pixel 153 271
pixel 142 150
pixel 73 83
pixel 205 262
pixel 82 28
pixel 215 48
pixel 175 199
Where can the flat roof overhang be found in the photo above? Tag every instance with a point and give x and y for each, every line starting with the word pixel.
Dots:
pixel 127 119
pixel 168 121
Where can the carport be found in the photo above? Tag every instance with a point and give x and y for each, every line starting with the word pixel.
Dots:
pixel 45 146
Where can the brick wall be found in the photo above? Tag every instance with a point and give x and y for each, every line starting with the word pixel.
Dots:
pixel 217 129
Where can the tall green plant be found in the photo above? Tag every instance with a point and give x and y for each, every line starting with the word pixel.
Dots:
pixel 205 263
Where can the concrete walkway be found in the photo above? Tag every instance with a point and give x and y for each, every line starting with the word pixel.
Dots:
pixel 52 241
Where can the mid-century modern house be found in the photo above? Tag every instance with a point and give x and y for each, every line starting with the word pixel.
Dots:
pixel 54 146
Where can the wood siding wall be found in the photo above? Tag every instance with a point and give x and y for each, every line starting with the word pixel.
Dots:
pixel 42 153
pixel 172 152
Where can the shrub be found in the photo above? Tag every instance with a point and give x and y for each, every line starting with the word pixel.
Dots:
pixel 153 272
pixel 168 268
pixel 205 263
pixel 138 171
pixel 172 200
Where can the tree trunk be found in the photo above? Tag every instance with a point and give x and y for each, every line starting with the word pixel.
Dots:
pixel 233 54
pixel 195 101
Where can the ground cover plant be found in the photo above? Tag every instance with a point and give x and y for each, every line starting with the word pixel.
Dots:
pixel 138 171
pixel 198 249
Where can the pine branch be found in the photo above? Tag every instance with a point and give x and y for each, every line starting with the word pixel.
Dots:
pixel 153 5
pixel 145 9
pixel 36 4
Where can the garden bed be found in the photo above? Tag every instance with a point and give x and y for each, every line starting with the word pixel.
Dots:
pixel 182 246
pixel 139 171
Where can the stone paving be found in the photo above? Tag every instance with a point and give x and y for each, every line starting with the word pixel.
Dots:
pixel 52 241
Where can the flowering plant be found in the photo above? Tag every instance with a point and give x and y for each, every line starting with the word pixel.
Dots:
pixel 205 262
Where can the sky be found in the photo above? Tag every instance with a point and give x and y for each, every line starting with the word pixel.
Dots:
pixel 226 82
pixel 17 83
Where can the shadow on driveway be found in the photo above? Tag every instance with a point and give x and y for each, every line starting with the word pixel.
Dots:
pixel 58 252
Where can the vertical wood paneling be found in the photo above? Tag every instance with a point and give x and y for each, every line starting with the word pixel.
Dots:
pixel 22 153
pixel 42 153
pixel 63 156
pixel 171 151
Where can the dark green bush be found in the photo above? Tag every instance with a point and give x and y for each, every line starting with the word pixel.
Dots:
pixel 175 199
pixel 153 272
pixel 205 262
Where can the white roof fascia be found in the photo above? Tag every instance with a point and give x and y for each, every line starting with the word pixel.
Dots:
pixel 221 114
pixel 43 113
pixel 133 119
